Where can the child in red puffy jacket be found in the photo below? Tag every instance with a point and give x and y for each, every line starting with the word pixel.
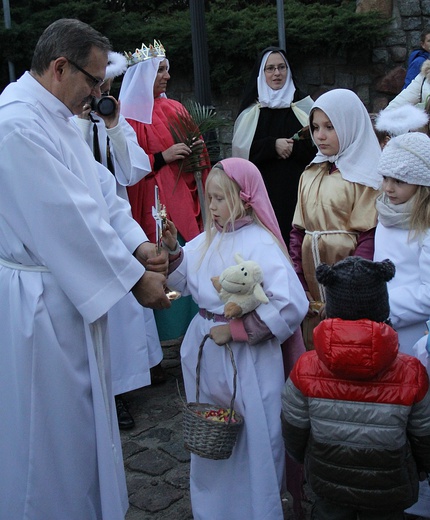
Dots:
pixel 355 410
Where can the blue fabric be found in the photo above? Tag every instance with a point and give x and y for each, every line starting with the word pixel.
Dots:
pixel 428 338
pixel 416 59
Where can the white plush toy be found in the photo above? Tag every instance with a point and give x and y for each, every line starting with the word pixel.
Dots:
pixel 240 287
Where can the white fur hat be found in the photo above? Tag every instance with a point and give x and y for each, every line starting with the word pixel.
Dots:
pixel 397 121
pixel 117 65
pixel 407 158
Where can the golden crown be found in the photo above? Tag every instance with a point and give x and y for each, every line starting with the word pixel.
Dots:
pixel 145 53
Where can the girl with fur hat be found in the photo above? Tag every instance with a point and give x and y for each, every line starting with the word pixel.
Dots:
pixel 335 216
pixel 355 410
pixel 240 219
pixel 402 233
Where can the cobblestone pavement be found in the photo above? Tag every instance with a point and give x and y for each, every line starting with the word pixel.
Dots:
pixel 156 463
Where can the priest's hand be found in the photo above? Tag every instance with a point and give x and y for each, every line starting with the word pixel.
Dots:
pixel 147 255
pixel 149 291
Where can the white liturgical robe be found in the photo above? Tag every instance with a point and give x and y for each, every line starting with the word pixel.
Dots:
pixel 66 240
pixel 133 335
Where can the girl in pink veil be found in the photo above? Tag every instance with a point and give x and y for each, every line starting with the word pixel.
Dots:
pixel 240 219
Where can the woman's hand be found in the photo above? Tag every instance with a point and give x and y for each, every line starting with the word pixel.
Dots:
pixel 284 147
pixel 176 152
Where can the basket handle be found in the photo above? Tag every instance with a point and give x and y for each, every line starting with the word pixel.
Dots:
pixel 199 357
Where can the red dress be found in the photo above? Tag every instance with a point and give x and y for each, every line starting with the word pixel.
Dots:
pixel 177 189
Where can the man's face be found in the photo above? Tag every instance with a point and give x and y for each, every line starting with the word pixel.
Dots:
pixel 78 88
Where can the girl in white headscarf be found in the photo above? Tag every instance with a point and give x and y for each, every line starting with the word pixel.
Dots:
pixel 335 215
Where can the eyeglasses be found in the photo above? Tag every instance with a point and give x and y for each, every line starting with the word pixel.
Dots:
pixel 271 68
pixel 96 83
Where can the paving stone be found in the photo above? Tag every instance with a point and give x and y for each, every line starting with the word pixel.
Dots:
pixel 157 497
pixel 151 462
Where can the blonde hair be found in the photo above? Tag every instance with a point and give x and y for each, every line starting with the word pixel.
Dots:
pixel 420 214
pixel 230 190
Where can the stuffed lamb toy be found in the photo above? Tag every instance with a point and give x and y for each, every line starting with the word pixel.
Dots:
pixel 240 287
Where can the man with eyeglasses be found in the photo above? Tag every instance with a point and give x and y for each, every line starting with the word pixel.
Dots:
pixel 69 251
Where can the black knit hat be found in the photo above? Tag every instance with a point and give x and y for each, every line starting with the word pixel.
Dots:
pixel 356 288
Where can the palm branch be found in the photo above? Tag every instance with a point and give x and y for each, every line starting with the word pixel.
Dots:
pixel 193 122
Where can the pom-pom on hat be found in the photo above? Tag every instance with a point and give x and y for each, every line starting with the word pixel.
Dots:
pixel 401 120
pixel 407 158
pixel 356 288
pixel 117 65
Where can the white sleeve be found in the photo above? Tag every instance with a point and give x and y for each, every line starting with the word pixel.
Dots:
pixel 411 94
pixel 131 161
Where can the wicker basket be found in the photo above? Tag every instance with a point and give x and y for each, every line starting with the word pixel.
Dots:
pixel 203 436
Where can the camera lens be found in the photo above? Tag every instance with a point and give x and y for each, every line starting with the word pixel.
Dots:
pixel 105 106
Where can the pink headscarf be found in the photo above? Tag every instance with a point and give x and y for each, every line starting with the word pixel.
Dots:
pixel 253 191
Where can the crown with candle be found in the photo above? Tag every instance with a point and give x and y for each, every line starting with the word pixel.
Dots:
pixel 155 50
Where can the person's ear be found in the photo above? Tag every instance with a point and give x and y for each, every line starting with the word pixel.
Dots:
pixel 59 67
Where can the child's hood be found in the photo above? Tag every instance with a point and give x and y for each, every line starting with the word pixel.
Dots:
pixel 356 350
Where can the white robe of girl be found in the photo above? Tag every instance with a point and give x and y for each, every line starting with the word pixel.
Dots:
pixel 409 290
pixel 248 484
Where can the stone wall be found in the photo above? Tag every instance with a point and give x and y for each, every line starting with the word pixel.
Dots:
pixel 376 77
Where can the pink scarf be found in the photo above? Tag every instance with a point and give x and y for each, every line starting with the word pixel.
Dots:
pixel 253 191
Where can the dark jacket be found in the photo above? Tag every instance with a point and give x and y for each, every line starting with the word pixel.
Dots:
pixel 357 413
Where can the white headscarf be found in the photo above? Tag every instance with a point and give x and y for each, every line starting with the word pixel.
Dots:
pixel 270 98
pixel 359 150
pixel 137 90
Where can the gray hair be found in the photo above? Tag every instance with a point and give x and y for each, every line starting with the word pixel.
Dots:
pixel 70 38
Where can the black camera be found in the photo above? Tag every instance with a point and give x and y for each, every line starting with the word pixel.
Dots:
pixel 105 106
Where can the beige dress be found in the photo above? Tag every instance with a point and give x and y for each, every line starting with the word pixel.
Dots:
pixel 333 212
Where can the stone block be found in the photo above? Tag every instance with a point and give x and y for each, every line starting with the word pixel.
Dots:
pixel 396 37
pixel 380 55
pixel 150 462
pixel 385 7
pixel 345 80
pixel 392 82
pixel 156 498
pixel 409 7
pixel 363 93
pixel 412 23
pixel 398 54
pixel 328 75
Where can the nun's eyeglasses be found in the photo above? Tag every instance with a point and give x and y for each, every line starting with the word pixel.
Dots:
pixel 271 68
